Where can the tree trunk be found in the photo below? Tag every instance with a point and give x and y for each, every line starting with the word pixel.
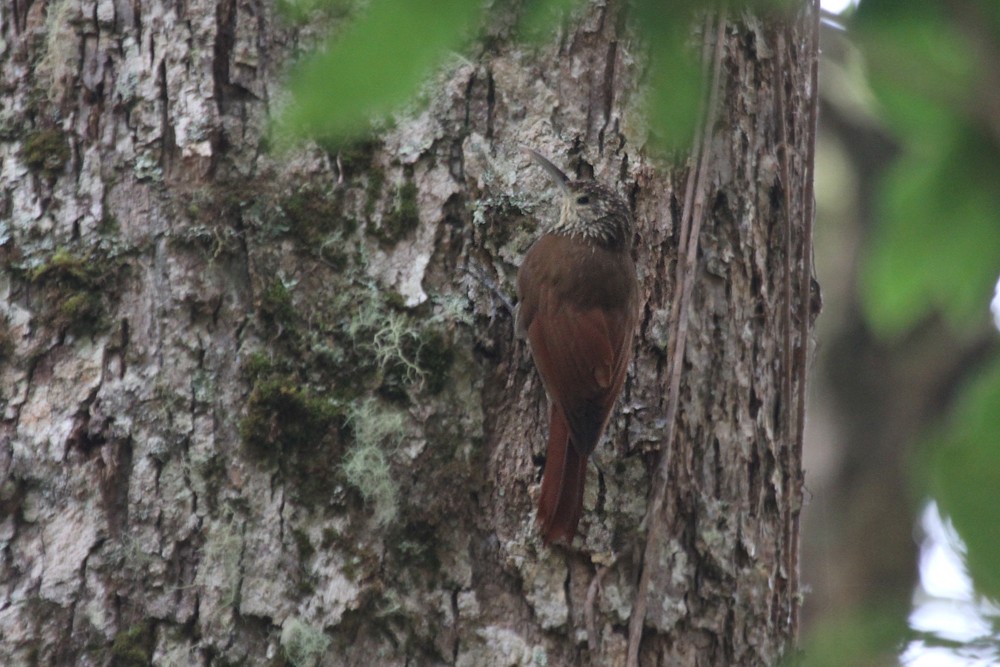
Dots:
pixel 269 408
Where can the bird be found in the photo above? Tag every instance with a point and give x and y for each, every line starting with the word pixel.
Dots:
pixel 578 305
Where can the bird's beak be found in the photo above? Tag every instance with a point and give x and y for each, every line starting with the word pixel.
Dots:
pixel 554 172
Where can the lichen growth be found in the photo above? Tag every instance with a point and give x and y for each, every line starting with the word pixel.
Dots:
pixel 373 192
pixel 352 157
pixel 367 469
pixel 302 644
pixel 305 581
pixel 407 352
pixel 378 431
pixel 223 553
pixel 146 167
pixel 54 68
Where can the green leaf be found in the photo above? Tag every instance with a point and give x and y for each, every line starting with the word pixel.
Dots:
pixel 862 637
pixel 923 69
pixel 965 478
pixel 937 247
pixel 937 243
pixel 376 65
pixel 675 82
pixel 675 101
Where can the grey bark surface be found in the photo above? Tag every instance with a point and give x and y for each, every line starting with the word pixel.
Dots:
pixel 266 408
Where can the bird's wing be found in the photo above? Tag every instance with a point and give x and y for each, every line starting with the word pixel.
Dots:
pixel 582 356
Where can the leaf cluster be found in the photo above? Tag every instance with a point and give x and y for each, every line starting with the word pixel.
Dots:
pixel 379 60
pixel 937 245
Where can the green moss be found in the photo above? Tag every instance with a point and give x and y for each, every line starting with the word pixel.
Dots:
pixel 373 192
pixel 84 309
pixel 258 364
pixel 275 307
pixel 306 584
pixel 303 544
pixel 134 647
pixel 313 213
pixel 7 345
pixel 74 288
pixel 314 216
pixel 435 356
pixel 352 157
pixel 330 537
pixel 300 12
pixel 64 267
pixel 394 300
pixel 109 225
pixel 415 544
pixel 361 565
pixel 46 150
pixel 222 214
pixel 212 471
pixel 283 415
pixel 402 219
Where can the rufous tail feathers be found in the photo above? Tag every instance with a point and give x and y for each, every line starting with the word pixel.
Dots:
pixel 561 501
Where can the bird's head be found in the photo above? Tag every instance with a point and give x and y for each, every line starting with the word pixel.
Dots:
pixel 589 209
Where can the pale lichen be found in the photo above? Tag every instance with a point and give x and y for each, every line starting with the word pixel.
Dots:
pixel 302 644
pixel 378 431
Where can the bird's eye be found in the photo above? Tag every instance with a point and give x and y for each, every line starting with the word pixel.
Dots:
pixel 583 200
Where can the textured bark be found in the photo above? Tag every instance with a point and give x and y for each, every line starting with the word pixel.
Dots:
pixel 262 409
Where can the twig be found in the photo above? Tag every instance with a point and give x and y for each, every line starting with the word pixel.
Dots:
pixel 690 230
pixel 788 409
pixel 595 586
pixel 491 285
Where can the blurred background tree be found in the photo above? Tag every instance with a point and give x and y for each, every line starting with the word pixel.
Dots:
pixel 902 458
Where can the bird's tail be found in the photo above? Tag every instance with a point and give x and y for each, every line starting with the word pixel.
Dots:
pixel 561 501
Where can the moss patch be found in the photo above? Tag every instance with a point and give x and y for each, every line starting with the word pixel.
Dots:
pixel 275 307
pixel 46 151
pixel 133 647
pixel 303 544
pixel 312 213
pixel 401 220
pixel 435 355
pixel 415 545
pixel 74 288
pixel 344 359
pixel 352 157
pixel 7 345
pixel 282 416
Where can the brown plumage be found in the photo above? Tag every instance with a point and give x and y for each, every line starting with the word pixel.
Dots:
pixel 578 306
